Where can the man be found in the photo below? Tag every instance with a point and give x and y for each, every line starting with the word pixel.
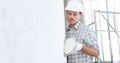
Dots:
pixel 87 46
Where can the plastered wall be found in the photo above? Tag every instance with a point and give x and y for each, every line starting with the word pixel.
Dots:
pixel 32 31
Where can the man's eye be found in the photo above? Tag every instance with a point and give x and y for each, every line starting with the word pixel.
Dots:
pixel 69 13
pixel 75 14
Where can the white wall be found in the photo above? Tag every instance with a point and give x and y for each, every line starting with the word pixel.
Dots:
pixel 32 31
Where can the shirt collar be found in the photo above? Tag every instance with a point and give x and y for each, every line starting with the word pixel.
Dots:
pixel 77 25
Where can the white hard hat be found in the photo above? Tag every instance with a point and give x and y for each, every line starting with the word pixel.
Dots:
pixel 74 5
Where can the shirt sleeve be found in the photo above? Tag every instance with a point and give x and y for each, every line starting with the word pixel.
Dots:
pixel 90 38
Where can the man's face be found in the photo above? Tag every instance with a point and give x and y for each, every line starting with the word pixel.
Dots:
pixel 73 17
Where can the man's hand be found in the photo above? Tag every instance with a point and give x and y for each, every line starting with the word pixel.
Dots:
pixel 77 47
pixel 71 46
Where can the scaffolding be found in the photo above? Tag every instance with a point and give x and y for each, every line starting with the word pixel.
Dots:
pixel 112 25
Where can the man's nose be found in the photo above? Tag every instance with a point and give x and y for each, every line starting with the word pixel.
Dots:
pixel 71 16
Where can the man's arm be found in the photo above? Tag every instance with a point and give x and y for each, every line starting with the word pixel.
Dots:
pixel 90 45
pixel 90 51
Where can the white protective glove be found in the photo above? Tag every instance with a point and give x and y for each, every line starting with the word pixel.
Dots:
pixel 77 47
pixel 71 46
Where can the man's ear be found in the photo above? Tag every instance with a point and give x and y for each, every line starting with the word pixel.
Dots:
pixel 80 12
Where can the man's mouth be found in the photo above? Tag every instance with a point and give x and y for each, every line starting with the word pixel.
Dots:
pixel 71 19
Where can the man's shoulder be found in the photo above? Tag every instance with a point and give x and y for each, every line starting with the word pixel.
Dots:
pixel 85 27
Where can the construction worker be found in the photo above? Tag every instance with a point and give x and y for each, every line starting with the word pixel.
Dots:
pixel 86 46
